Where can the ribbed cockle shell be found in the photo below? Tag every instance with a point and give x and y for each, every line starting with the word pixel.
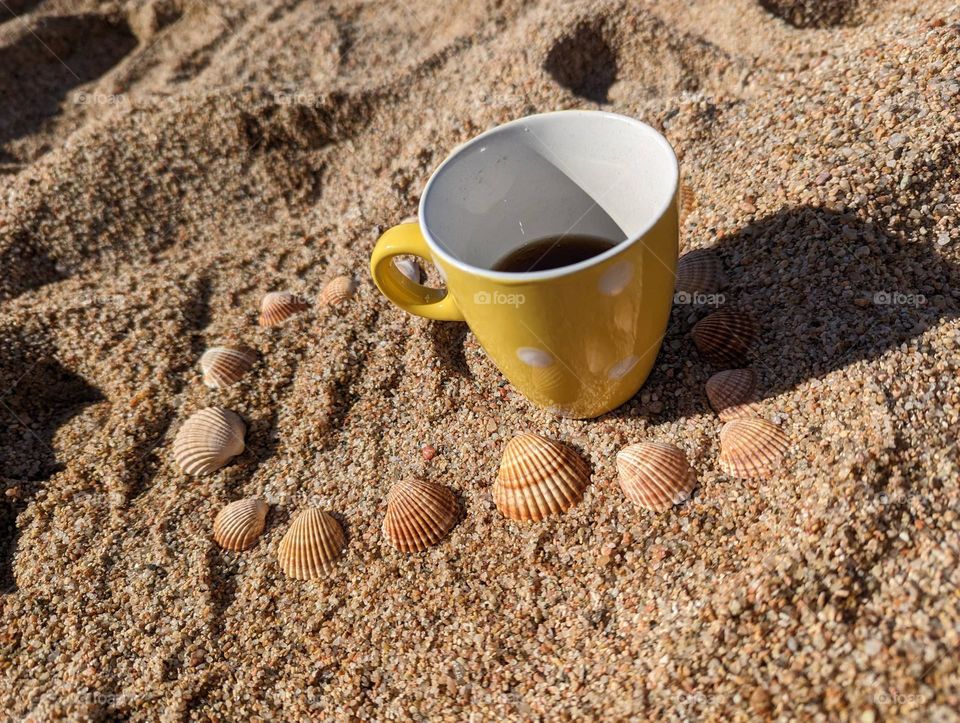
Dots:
pixel 338 290
pixel 239 524
pixel 655 475
pixel 224 365
pixel 751 447
pixel 688 200
pixel 539 477
pixel 731 393
pixel 278 306
pixel 724 337
pixel 700 272
pixel 419 514
pixel 311 545
pixel 208 439
pixel 411 269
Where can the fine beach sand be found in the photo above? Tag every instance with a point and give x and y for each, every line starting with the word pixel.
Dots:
pixel 164 164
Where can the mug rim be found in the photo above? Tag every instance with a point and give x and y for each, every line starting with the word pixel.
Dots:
pixel 530 276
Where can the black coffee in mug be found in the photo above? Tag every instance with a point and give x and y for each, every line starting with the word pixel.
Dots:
pixel 553 252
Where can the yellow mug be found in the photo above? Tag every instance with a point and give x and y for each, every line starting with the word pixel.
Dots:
pixel 578 340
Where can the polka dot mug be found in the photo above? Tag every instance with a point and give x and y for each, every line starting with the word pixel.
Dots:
pixel 580 339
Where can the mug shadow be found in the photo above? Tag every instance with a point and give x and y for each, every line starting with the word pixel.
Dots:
pixel 448 340
pixel 825 290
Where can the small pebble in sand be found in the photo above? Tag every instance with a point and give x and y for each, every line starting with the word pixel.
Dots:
pixel 897 140
pixel 428 452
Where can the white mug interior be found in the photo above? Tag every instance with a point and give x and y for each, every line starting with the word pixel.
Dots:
pixel 556 174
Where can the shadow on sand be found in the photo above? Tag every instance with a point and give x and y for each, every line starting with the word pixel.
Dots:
pixel 37 396
pixel 825 289
pixel 50 57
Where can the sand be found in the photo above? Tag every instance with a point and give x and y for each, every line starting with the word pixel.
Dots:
pixel 165 164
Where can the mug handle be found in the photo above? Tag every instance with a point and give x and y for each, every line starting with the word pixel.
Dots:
pixel 408 295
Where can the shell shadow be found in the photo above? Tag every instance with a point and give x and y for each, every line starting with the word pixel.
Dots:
pixel 261 444
pixel 826 290
pixel 223 569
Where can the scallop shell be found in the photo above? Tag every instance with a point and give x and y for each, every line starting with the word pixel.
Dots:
pixel 419 514
pixel 311 545
pixel 338 290
pixel 224 365
pixel 724 337
pixel 239 524
pixel 538 477
pixel 655 475
pixel 731 393
pixel 411 269
pixel 278 306
pixel 751 447
pixel 700 272
pixel 208 439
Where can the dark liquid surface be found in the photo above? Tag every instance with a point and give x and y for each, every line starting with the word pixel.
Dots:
pixel 553 252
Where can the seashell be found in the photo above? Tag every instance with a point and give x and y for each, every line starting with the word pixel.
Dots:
pixel 278 306
pixel 655 475
pixel 724 337
pixel 419 514
pixel 538 477
pixel 311 545
pixel 208 439
pixel 239 524
pixel 700 272
pixel 338 290
pixel 751 447
pixel 224 365
pixel 411 269
pixel 731 393
pixel 688 201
